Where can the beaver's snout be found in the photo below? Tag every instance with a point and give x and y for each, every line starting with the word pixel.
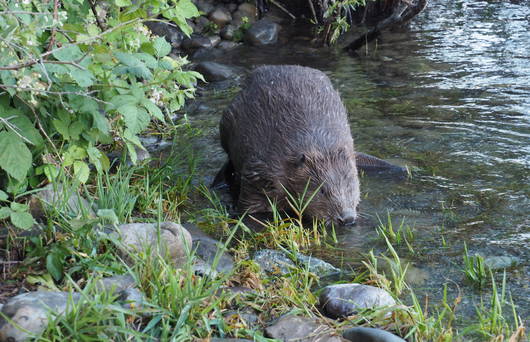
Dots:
pixel 347 217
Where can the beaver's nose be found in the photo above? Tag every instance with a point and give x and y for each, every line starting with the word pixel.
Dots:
pixel 348 217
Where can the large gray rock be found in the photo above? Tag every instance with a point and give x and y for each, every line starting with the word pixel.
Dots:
pixel 68 201
pixel 343 300
pixel 361 334
pixel 204 6
pixel 29 312
pixel 262 32
pixel 215 72
pixel 276 262
pixel 172 240
pixel 220 16
pixel 301 329
pixel 245 10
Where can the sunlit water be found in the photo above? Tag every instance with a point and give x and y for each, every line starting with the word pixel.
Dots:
pixel 450 98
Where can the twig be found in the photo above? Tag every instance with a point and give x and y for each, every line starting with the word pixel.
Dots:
pixel 313 10
pixel 14 128
pixel 93 8
pixel 56 21
pixel 283 9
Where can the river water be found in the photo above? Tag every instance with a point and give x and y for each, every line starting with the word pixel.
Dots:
pixel 450 98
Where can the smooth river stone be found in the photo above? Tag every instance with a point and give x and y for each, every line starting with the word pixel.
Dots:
pixel 343 300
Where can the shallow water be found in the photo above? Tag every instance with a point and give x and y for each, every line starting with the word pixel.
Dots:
pixel 450 98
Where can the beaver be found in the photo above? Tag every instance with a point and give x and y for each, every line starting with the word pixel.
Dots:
pixel 287 136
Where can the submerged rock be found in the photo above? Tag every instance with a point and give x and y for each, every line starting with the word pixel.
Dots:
pixel 29 312
pixel 262 32
pixel 343 300
pixel 277 262
pixel 196 42
pixel 215 72
pixel 361 334
pixel 301 329
pixel 501 262
pixel 172 239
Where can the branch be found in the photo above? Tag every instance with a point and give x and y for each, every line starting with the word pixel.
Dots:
pixel 88 40
pixel 93 8
pixel 396 17
pixel 24 65
pixel 56 20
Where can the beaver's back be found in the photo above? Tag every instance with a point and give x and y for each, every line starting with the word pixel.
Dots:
pixel 282 110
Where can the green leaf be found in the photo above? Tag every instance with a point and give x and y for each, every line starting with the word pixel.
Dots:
pixel 19 207
pixel 15 157
pixel 81 171
pixel 153 109
pixel 22 220
pixel 187 9
pixel 83 78
pixel 130 116
pixel 3 196
pixel 100 122
pixel 123 3
pixel 54 265
pixel 62 128
pixel 68 53
pixel 4 212
pixel 162 47
pixel 108 215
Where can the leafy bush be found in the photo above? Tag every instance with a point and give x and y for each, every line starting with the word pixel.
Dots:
pixel 76 75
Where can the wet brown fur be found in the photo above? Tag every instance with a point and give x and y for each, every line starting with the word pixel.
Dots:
pixel 287 130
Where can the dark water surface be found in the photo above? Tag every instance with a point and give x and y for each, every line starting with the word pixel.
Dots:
pixel 450 98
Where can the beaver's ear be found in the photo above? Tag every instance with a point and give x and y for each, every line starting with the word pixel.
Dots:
pixel 300 160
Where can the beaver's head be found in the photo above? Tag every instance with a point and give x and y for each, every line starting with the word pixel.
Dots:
pixel 330 178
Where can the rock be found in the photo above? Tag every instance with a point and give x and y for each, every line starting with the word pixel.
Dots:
pixel 201 23
pixel 67 201
pixel 132 298
pixel 227 32
pixel 262 32
pixel 247 9
pixel 204 54
pixel 30 312
pixel 236 290
pixel 275 262
pixel 501 262
pixel 207 249
pixel 301 329
pixel 203 269
pixel 225 45
pixel 214 72
pixel 247 317
pixel 215 40
pixel 196 42
pixel 317 266
pixel 172 34
pixel 361 334
pixel 204 6
pixel 175 241
pixel 231 7
pixel 220 16
pixel 116 283
pixel 343 300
